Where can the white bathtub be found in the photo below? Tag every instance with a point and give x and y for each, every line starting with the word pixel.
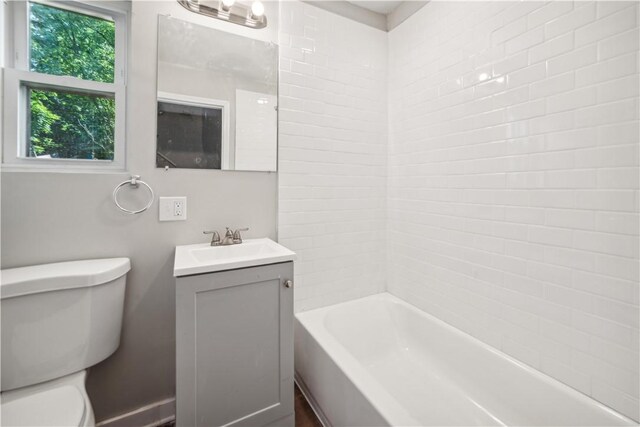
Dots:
pixel 380 361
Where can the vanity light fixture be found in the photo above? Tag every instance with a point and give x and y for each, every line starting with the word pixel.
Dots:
pixel 230 11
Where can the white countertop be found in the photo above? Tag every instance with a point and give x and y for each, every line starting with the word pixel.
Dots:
pixel 204 258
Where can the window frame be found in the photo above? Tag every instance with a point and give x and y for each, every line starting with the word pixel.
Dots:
pixel 18 79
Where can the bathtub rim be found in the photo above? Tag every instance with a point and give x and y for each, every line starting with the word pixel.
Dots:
pixel 373 392
pixel 351 368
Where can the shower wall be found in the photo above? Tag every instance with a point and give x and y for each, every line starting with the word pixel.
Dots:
pixel 513 182
pixel 332 154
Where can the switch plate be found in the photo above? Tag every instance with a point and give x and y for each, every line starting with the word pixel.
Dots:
pixel 173 208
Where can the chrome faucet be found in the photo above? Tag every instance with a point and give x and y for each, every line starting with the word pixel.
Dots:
pixel 237 238
pixel 215 238
pixel 230 237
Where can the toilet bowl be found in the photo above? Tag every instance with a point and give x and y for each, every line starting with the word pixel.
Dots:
pixel 57 320
pixel 61 402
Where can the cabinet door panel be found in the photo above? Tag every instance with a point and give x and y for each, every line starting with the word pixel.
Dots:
pixel 233 361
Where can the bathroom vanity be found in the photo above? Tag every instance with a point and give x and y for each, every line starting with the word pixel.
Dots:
pixel 234 334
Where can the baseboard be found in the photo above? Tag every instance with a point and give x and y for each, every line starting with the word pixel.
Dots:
pixel 312 402
pixel 152 415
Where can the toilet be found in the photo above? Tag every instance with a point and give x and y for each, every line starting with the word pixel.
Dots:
pixel 57 320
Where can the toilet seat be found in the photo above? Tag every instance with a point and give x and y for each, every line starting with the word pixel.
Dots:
pixel 58 406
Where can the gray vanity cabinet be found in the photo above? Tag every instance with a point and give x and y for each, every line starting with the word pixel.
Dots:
pixel 234 347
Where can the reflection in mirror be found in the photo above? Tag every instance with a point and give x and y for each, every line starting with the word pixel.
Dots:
pixel 201 126
pixel 217 99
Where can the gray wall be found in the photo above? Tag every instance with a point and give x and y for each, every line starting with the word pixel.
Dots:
pixel 48 217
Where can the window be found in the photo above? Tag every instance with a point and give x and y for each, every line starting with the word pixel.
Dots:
pixel 193 132
pixel 65 90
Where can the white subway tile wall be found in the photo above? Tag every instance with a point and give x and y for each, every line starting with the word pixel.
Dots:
pixel 332 154
pixel 513 182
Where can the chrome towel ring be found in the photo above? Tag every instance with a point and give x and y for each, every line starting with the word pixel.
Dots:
pixel 134 182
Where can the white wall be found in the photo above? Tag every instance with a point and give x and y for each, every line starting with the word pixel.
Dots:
pixel 48 217
pixel 332 158
pixel 513 182
pixel 256 131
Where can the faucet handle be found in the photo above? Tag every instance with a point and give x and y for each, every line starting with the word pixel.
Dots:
pixel 215 238
pixel 237 237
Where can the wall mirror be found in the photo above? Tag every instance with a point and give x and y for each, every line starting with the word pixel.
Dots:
pixel 217 99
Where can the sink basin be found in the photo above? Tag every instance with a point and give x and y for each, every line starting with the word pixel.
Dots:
pixel 204 258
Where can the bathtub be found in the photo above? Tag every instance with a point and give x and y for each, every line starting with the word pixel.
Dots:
pixel 379 361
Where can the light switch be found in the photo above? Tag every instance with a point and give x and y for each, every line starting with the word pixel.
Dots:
pixel 173 208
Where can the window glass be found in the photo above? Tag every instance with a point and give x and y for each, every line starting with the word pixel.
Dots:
pixel 68 125
pixel 66 43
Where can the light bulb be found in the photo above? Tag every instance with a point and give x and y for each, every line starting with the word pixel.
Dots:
pixel 226 4
pixel 257 9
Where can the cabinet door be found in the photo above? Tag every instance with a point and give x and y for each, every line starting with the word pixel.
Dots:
pixel 234 347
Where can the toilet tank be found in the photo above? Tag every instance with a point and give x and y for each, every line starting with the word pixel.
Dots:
pixel 59 318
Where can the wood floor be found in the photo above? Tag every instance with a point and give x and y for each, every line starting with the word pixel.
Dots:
pixel 305 417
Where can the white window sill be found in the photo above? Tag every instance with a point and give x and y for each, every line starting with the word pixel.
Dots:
pixel 62 168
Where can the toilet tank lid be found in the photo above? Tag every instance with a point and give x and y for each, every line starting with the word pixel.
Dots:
pixel 61 275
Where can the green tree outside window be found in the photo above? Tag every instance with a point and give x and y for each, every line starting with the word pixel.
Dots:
pixel 64 124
